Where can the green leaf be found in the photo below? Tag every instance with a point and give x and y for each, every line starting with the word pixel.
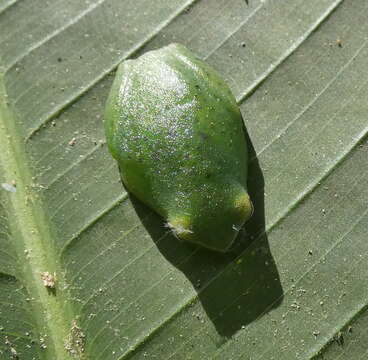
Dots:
pixel 295 287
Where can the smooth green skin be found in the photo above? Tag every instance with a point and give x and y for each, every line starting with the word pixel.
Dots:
pixel 176 131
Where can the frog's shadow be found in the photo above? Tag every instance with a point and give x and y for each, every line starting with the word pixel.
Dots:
pixel 234 288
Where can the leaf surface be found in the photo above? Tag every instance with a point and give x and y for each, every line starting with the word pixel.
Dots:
pixel 295 288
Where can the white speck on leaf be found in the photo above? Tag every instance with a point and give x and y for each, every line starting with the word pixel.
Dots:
pixel 9 187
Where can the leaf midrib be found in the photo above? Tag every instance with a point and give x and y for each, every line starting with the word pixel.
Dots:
pixel 32 240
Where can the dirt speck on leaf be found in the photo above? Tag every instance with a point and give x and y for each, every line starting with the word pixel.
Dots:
pixel 75 342
pixel 49 280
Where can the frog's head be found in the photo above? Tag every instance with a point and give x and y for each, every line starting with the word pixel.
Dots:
pixel 213 216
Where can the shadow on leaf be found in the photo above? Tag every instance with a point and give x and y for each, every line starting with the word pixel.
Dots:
pixel 234 288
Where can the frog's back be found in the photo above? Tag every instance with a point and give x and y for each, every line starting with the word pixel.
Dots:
pixel 176 130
